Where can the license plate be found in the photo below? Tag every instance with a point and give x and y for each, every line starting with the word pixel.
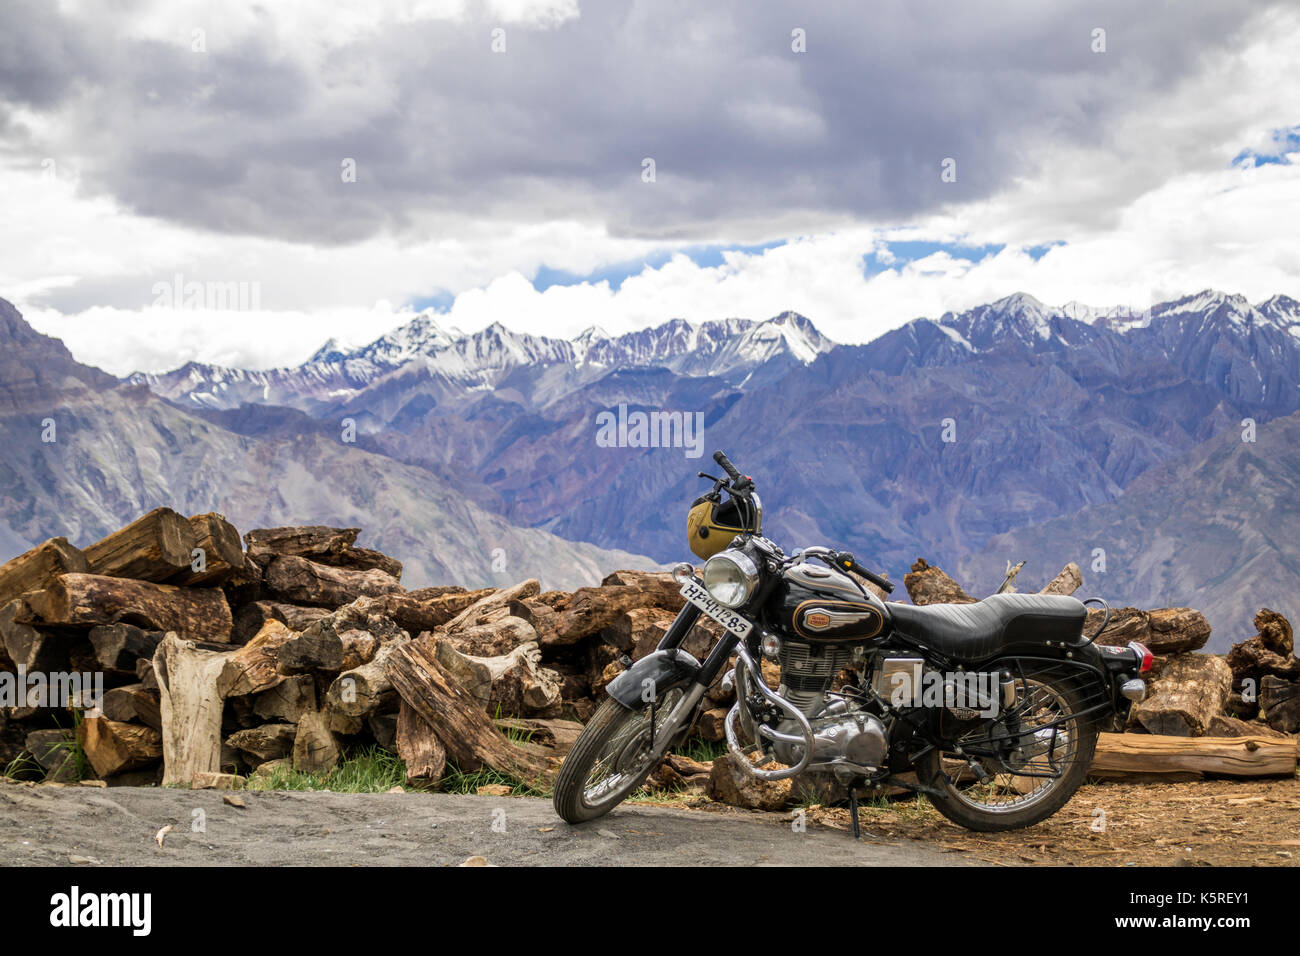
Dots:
pixel 733 622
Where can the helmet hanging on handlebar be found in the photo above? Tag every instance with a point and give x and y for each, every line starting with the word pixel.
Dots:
pixel 711 525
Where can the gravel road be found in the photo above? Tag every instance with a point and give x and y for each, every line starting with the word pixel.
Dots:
pixel 113 827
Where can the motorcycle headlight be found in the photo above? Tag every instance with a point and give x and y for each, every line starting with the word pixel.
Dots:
pixel 730 577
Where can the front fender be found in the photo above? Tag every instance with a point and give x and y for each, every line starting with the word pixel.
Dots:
pixel 658 670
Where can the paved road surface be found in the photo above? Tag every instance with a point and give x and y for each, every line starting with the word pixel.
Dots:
pixel 116 826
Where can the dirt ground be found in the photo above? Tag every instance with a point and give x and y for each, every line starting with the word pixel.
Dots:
pixel 1205 823
pixel 1208 823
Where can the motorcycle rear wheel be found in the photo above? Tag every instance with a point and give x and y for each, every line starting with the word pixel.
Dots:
pixel 610 760
pixel 1003 803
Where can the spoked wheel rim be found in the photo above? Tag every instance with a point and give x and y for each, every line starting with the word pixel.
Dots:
pixel 624 758
pixel 1053 733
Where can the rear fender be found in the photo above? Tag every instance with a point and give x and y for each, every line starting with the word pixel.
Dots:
pixel 652 676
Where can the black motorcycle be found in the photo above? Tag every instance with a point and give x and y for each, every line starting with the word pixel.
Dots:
pixel 991 709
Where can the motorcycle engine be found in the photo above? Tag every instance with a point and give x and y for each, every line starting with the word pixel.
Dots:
pixel 841 731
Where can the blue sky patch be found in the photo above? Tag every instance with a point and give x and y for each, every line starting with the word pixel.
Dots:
pixel 1284 141
pixel 706 257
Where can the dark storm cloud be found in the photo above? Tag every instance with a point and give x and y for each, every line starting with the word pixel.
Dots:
pixel 247 138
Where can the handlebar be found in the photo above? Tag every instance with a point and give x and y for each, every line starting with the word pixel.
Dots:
pixel 739 483
pixel 846 560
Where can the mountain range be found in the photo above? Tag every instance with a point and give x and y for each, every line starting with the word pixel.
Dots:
pixel 1014 429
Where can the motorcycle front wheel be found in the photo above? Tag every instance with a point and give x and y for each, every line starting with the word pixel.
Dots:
pixel 1053 763
pixel 610 759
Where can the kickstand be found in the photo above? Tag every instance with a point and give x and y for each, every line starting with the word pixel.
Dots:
pixel 853 813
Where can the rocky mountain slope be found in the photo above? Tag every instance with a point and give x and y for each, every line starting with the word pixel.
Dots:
pixel 118 450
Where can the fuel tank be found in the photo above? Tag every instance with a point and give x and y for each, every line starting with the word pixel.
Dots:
pixel 820 604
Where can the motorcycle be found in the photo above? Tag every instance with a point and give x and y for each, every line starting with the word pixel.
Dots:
pixel 990 709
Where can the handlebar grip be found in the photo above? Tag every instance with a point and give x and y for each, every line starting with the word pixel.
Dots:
pixel 725 463
pixel 846 560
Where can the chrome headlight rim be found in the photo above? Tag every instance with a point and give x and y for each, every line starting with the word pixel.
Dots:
pixel 745 568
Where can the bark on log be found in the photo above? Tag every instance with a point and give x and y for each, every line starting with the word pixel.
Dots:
pixel 1228 756
pixel 428 608
pixel 263 743
pixel 1067 582
pixel 491 602
pixel 221 550
pixel 201 614
pixel 28 646
pixel 297 579
pixel 1165 631
pixel 657 587
pixel 365 689
pixel 1225 726
pixel 1270 651
pixel 119 646
pixel 154 547
pixel 419 747
pixel 190 705
pixel 288 701
pixel 927 584
pixel 1279 700
pixel 467 733
pixel 638 631
pixel 359 647
pixel 590 611
pixel 1191 689
pixel 365 559
pixel 38 568
pixel 314 748
pixel 255 666
pixel 132 702
pixel 297 617
pixel 495 639
pixel 511 685
pixel 308 541
pixel 113 747
pixel 318 648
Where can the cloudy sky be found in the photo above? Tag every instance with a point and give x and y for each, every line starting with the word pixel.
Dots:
pixel 560 164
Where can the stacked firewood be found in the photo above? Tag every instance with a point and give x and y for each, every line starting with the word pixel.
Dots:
pixel 225 658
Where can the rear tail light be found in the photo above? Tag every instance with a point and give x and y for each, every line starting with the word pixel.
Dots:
pixel 1147 657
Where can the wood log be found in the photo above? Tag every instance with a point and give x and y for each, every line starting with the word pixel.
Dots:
pixel 1225 726
pixel 288 701
pixel 419 747
pixel 543 618
pixel 927 584
pixel 1227 756
pixel 637 632
pixel 590 611
pixel 510 685
pixel 364 559
pixel 190 705
pixel 255 666
pixel 297 617
pixel 1067 582
pixel 312 541
pixel 314 748
pixel 359 647
pixel 1270 651
pixel 118 646
pixel 1279 700
pixel 456 717
pixel 38 568
pixel 1165 631
pixel 28 646
pixel 52 751
pixel 250 619
pixel 428 608
pixel 316 649
pixel 263 743
pixel 365 689
pixel 493 601
pixel 132 703
pixel 113 747
pixel 494 639
pixel 383 727
pixel 200 614
pixel 657 588
pixel 1191 689
pixel 220 555
pixel 297 579
pixel 154 547
pixel 556 737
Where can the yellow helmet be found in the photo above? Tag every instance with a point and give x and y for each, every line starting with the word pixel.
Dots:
pixel 711 525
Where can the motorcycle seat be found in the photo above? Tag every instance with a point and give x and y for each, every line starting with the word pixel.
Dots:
pixel 1000 622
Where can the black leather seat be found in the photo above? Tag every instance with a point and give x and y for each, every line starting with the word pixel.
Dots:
pixel 1000 622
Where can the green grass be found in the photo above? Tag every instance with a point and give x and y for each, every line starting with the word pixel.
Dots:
pixel 369 770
